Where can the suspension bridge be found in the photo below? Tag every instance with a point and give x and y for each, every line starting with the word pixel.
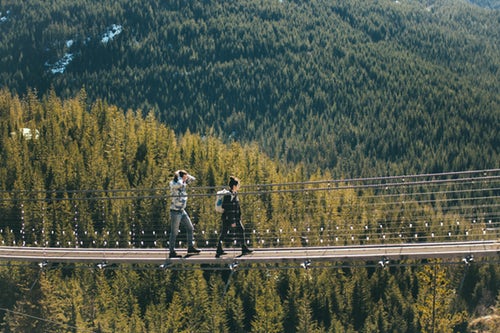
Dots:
pixel 382 219
pixel 461 250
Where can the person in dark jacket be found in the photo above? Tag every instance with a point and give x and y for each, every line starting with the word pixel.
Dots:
pixel 231 219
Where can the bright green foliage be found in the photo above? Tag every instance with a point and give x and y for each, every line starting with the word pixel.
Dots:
pixel 434 300
pixel 268 310
pixel 124 299
pixel 96 152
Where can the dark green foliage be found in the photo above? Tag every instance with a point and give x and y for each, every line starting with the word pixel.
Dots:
pixel 487 3
pixel 359 87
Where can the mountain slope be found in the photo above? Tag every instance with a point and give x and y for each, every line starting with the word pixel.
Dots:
pixel 494 4
pixel 360 87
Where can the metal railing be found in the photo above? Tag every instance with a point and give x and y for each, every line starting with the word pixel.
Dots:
pixel 441 207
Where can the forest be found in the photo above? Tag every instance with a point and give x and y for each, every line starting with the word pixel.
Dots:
pixel 101 101
pixel 487 3
pixel 84 149
pixel 359 88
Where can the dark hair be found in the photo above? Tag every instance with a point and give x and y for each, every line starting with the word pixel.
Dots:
pixel 179 174
pixel 233 181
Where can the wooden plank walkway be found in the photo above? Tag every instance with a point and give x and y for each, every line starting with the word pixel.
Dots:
pixel 157 256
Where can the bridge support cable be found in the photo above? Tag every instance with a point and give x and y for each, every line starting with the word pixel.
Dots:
pixel 436 208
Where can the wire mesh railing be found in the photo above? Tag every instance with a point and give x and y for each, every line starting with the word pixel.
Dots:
pixel 439 207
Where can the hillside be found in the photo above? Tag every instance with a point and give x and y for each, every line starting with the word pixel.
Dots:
pixel 487 3
pixel 92 176
pixel 358 87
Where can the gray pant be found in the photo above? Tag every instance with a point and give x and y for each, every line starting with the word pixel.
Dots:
pixel 178 218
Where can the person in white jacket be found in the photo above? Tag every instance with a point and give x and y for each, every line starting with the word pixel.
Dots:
pixel 178 214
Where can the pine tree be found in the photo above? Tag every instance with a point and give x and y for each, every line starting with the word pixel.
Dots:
pixel 216 315
pixel 434 299
pixel 306 324
pixel 268 311
pixel 176 315
pixel 359 299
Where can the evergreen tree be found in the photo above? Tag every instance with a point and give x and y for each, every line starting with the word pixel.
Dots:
pixel 434 299
pixel 306 323
pixel 235 312
pixel 268 311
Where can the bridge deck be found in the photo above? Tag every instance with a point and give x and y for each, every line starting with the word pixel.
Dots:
pixel 261 255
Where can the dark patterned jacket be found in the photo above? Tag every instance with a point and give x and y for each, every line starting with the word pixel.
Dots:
pixel 232 211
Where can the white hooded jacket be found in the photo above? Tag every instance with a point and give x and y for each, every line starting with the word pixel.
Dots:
pixel 178 194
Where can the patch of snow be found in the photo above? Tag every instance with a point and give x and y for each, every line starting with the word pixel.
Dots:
pixel 60 66
pixel 5 17
pixel 112 32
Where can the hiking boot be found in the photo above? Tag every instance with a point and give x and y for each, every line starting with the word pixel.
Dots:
pixel 174 255
pixel 220 253
pixel 220 250
pixel 193 250
pixel 246 250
